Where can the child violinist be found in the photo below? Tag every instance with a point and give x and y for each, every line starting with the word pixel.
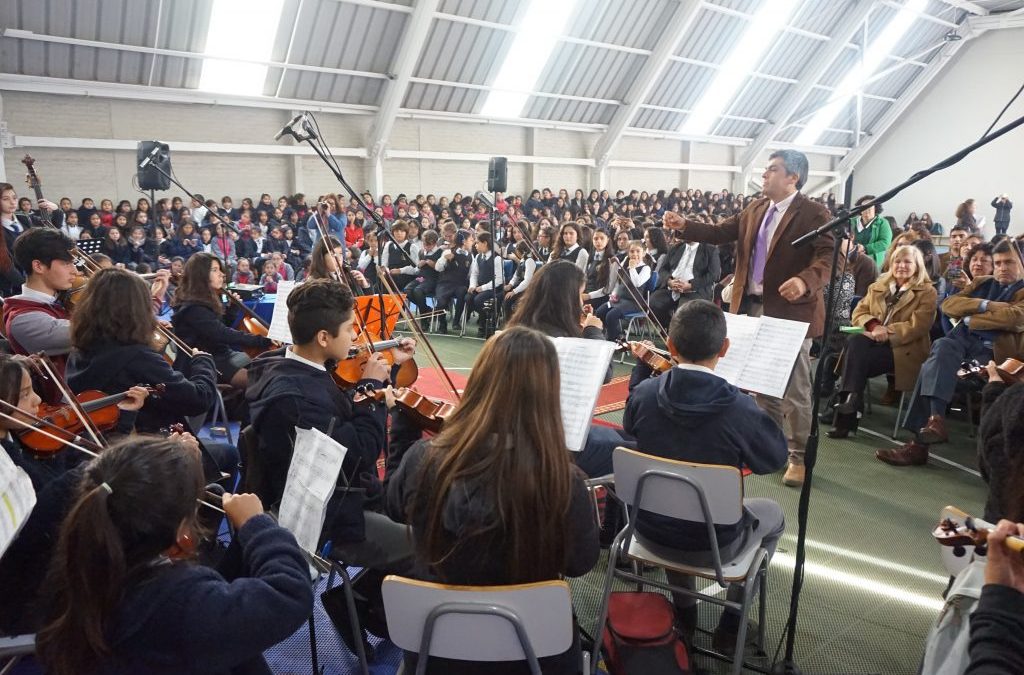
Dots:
pixel 128 600
pixel 197 319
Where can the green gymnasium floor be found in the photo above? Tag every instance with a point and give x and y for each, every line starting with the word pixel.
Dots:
pixel 874 578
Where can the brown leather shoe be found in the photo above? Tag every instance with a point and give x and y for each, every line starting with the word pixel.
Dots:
pixel 934 431
pixel 910 453
pixel 891 397
pixel 794 475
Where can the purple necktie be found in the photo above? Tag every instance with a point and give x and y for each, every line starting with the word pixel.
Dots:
pixel 761 247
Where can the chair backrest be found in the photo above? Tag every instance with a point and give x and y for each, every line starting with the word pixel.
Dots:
pixel 473 622
pixel 248 451
pixel 673 488
pixel 652 283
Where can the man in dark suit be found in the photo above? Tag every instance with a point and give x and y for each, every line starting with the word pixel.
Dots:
pixel 689 272
pixel 775 279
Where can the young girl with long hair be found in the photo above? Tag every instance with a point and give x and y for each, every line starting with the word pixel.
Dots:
pixel 494 499
pixel 127 599
pixel 568 246
pixel 621 302
pixel 198 314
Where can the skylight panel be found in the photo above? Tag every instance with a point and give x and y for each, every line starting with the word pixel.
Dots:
pixel 543 23
pixel 855 80
pixel 762 31
pixel 239 29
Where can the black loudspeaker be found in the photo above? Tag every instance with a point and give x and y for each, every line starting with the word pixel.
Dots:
pixel 148 176
pixel 497 174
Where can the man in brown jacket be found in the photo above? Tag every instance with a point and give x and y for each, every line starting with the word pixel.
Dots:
pixel 989 318
pixel 775 279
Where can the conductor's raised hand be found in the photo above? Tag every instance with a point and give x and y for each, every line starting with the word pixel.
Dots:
pixel 673 221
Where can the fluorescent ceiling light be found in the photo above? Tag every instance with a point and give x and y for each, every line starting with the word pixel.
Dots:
pixel 855 80
pixel 762 31
pixel 542 24
pixel 239 28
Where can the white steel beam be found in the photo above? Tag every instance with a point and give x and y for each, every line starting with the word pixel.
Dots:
pixel 678 27
pixel 288 50
pixel 971 7
pixel 853 23
pixel 409 49
pixel 156 42
pixel 917 86
pixel 39 37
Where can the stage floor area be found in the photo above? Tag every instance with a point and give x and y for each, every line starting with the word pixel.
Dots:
pixel 874 579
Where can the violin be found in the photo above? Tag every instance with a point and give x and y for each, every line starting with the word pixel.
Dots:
pixel 1011 371
pixel 101 409
pixel 349 371
pixel 969 531
pixel 252 323
pixel 657 360
pixel 425 412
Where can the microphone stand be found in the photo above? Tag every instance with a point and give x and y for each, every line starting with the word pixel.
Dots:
pixel 788 666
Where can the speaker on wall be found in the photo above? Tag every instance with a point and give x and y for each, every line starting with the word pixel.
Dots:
pixel 497 174
pixel 149 156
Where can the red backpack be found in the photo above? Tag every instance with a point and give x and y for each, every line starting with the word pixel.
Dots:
pixel 639 637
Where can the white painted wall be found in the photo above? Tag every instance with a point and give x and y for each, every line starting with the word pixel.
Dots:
pixel 955 110
pixel 217 170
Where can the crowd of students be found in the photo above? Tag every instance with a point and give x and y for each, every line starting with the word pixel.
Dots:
pixel 494 498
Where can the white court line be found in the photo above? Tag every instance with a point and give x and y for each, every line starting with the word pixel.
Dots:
pixel 956 465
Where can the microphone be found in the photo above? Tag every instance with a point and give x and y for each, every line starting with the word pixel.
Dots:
pixel 482 197
pixel 288 127
pixel 149 159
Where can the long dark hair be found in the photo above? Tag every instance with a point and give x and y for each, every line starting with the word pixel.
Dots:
pixel 507 437
pixel 115 307
pixel 195 283
pixel 318 261
pixel 551 303
pixel 130 503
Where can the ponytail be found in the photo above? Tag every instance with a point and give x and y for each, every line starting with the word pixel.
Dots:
pixel 88 574
pixel 130 504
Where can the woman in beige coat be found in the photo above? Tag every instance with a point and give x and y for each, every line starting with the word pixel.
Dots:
pixel 896 315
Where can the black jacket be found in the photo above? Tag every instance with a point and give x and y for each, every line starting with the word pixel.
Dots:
pixel 115 367
pixel 185 618
pixel 694 416
pixel 707 270
pixel 285 393
pixel 1000 453
pixel 997 632
pixel 199 326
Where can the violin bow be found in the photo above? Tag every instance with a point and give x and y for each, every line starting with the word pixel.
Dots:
pixel 389 284
pixel 75 446
pixel 74 441
pixel 71 400
pixel 637 297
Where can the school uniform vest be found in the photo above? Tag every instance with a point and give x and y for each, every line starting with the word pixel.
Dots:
pixel 593 270
pixel 620 287
pixel 484 268
pixel 456 271
pixel 572 255
pixel 429 273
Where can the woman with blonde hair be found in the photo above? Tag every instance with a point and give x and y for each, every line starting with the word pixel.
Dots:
pixel 896 315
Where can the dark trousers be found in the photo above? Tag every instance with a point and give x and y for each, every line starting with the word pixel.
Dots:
pixel 419 291
pixel 863 359
pixel 663 305
pixel 445 293
pixel 475 302
pixel 1002 226
pixel 509 306
pixel 611 315
pixel 937 379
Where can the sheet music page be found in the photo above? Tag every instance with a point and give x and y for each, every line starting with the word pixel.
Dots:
pixel 741 330
pixel 582 365
pixel 16 499
pixel 279 329
pixel 774 352
pixel 312 477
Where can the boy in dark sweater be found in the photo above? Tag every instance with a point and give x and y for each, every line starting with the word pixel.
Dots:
pixel 690 414
pixel 292 387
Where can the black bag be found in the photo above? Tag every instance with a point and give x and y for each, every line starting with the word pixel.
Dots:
pixel 640 639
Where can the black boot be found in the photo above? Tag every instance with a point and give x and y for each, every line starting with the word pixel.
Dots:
pixel 845 424
pixel 849 405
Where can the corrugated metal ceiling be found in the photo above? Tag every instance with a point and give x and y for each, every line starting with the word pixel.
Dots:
pixel 349 47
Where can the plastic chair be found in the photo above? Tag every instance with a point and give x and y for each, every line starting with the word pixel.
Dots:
pixel 486 624
pixel 706 493
pixel 13 648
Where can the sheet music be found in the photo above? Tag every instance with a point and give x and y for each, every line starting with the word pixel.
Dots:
pixel 279 329
pixel 16 499
pixel 582 366
pixel 312 477
pixel 762 351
